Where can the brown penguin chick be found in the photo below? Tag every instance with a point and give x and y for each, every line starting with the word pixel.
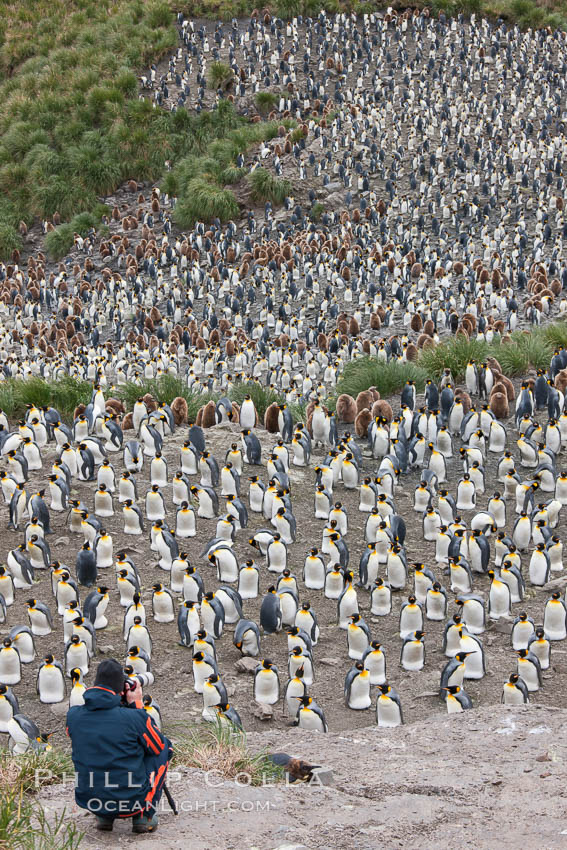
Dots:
pixel 465 400
pixel 235 415
pixel 375 323
pixel 150 402
pixel 79 410
pixel 499 405
pixel 199 417
pixel 494 365
pixel 463 333
pixel 382 408
pixel 466 326
pixel 416 323
pixel 346 409
pixel 429 327
pixel 271 418
pixel 362 421
pixel 208 415
pixel 128 422
pixel 411 352
pixel 471 318
pixel 353 327
pixel 322 342
pixel 375 394
pixel 180 410
pixel 114 405
pixel 309 410
pixel 508 385
pixel 560 382
pixel 364 401
pixel 425 341
pixel 556 286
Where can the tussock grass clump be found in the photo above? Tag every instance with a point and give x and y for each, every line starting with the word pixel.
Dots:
pixel 266 187
pixel 453 354
pixel 219 748
pixel 388 378
pixel 266 101
pixel 219 75
pixel 262 397
pixel 64 394
pixel 23 823
pixel 205 200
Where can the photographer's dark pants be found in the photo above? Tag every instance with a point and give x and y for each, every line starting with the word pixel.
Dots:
pixel 156 770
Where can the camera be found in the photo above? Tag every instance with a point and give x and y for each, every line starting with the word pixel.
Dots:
pixel 131 678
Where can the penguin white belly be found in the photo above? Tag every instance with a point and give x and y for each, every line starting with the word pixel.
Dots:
pixel 357 642
pixel 266 687
pixel 499 600
pixel 359 698
pixel 310 720
pixel 131 523
pixel 529 674
pixel 512 695
pixel 554 620
pixel 436 606
pixel 248 580
pixel 411 619
pixel 105 553
pixel 163 608
pixel 288 608
pixel 347 607
pixel 375 663
pixel 453 705
pixel 473 618
pixel 294 689
pixel 10 668
pixel 538 569
pixel 474 666
pixel 185 524
pixel 413 656
pixel 396 572
pixel 314 575
pixel 19 741
pixel 521 635
pixel 387 712
pixel 227 567
pixel 381 602
pixel 249 644
pixel 154 507
pixel 231 615
pixel 51 685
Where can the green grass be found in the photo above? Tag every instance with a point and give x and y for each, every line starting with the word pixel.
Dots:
pixel 23 822
pixel 266 101
pixel 388 378
pixel 266 187
pixel 64 394
pixel 71 125
pixel 219 75
pixel 200 179
pixel 214 747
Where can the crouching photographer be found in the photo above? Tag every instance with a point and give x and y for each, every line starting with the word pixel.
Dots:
pixel 120 756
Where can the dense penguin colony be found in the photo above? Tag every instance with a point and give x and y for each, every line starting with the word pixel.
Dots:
pixel 437 150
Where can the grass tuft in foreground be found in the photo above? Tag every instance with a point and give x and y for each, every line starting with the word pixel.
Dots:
pixel 224 750
pixel 24 825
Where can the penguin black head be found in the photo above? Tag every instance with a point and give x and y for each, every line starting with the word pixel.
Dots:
pixel 267 664
pixel 75 639
pixel 30 603
pixel 210 595
pixel 522 653
pixel 49 659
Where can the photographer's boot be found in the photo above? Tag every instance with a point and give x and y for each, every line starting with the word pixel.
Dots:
pixel 104 824
pixel 145 822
